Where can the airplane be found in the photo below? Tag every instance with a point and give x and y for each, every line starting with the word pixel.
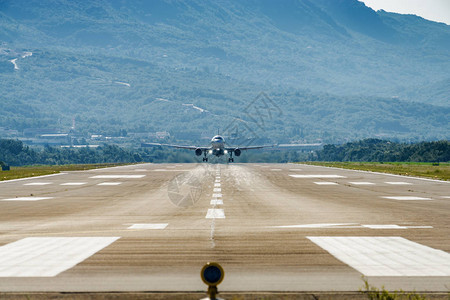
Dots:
pixel 217 148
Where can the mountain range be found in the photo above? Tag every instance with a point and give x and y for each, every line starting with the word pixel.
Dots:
pixel 335 69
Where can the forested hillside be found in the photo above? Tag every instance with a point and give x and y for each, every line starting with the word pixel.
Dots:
pixel 15 153
pixel 374 150
pixel 334 71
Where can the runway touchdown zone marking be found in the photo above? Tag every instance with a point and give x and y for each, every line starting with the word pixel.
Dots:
pixel 117 176
pixel 406 198
pixel 48 256
pixel 325 183
pixel 109 183
pixel 317 176
pixel 386 256
pixel 148 226
pixel 27 199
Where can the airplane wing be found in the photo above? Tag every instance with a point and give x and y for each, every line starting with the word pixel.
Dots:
pixel 175 146
pixel 248 147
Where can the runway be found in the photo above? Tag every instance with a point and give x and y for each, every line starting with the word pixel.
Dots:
pixel 273 227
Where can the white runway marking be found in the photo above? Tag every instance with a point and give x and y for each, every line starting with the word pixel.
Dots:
pixel 323 225
pixel 215 213
pixel 275 170
pixel 325 183
pixel 361 183
pixel 117 176
pixel 217 184
pixel 217 180
pixel 317 176
pixel 110 183
pixel 216 202
pixel 386 256
pixel 140 170
pixel 48 256
pixel 217 177
pixel 403 198
pixel 170 170
pixel 74 183
pixel 446 197
pixel 217 190
pixel 393 226
pixel 27 199
pixel 295 170
pixel 148 226
pixel 398 183
pixel 38 183
pixel 36 177
pixel 217 195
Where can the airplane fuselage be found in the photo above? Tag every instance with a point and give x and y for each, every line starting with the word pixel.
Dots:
pixel 218 146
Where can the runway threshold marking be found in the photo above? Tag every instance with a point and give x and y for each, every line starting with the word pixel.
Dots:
pixel 317 176
pixel 48 256
pixel 386 256
pixel 27 199
pixel 406 198
pixel 149 226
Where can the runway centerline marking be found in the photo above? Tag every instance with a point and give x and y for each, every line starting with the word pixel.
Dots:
pixel 149 226
pixel 38 183
pixel 109 183
pixel 217 190
pixel 215 213
pixel 117 176
pixel 398 183
pixel 406 198
pixel 48 256
pixel 73 183
pixel 361 183
pixel 216 202
pixel 217 195
pixel 317 176
pixel 27 199
pixel 386 256
pixel 217 184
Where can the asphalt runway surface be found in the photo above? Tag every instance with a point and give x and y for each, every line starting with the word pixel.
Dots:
pixel 273 227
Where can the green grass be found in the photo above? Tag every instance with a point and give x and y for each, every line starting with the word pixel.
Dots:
pixel 439 171
pixel 39 170
pixel 374 293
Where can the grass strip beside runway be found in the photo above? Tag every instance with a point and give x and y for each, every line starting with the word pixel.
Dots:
pixel 440 171
pixel 39 170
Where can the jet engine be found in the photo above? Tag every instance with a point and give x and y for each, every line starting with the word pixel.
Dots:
pixel 198 151
pixel 237 151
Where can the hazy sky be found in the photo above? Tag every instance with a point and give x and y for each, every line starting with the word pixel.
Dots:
pixel 435 10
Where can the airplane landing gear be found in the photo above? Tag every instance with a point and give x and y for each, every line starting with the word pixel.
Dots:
pixel 230 159
pixel 205 159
